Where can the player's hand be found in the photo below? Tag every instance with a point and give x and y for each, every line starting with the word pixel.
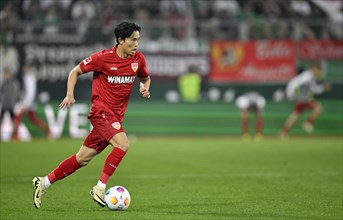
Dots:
pixel 145 93
pixel 67 102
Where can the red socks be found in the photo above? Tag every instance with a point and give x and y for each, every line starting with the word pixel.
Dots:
pixel 245 125
pixel 259 125
pixel 310 119
pixel 111 163
pixel 66 167
pixel 70 165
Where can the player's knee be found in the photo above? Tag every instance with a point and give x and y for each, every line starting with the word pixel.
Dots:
pixel 124 146
pixel 121 141
pixel 83 160
pixel 319 108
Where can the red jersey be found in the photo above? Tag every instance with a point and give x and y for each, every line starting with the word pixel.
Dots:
pixel 113 79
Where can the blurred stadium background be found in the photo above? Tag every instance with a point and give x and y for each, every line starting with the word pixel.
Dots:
pixel 237 45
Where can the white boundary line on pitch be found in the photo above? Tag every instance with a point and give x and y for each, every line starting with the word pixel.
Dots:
pixel 193 175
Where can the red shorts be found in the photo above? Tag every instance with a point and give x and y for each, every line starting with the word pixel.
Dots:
pixel 105 126
pixel 302 106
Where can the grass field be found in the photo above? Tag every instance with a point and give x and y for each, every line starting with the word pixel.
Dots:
pixel 182 177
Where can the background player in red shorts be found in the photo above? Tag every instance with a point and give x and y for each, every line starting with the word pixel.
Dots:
pixel 115 70
pixel 27 105
pixel 251 103
pixel 301 90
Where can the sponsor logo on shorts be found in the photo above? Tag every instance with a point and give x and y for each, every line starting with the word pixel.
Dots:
pixel 116 125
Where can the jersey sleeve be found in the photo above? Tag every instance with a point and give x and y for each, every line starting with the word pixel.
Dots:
pixel 30 89
pixel 92 63
pixel 316 88
pixel 295 83
pixel 143 70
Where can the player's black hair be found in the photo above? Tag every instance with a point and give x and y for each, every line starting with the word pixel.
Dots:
pixel 125 30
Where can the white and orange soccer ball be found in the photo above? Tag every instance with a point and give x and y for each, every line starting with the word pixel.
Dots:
pixel 117 198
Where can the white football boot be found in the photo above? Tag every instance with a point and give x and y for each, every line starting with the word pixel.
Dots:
pixel 38 190
pixel 98 195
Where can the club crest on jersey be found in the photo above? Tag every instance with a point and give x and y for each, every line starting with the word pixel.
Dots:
pixel 116 125
pixel 134 66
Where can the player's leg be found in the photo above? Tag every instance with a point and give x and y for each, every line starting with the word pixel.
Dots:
pixel 72 163
pixel 10 112
pixel 245 123
pixel 259 125
pixel 316 110
pixel 2 113
pixel 17 120
pixel 289 123
pixel 108 128
pixel 64 169
pixel 120 145
pixel 39 123
pixel 242 103
pixel 12 115
pixel 260 104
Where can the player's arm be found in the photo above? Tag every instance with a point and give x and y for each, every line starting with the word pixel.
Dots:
pixel 30 91
pixel 320 88
pixel 290 90
pixel 69 100
pixel 144 86
pixel 294 85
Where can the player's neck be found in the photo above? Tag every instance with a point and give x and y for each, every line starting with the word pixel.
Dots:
pixel 121 53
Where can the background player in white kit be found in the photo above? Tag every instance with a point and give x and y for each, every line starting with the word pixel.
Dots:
pixel 301 90
pixel 27 105
pixel 251 102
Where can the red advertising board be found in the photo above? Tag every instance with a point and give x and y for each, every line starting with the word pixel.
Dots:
pixel 252 61
pixel 320 50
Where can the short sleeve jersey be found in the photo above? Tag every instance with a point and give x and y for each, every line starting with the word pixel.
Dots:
pixel 113 79
pixel 302 87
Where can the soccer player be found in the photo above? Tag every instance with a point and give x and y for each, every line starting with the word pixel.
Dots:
pixel 251 102
pixel 115 70
pixel 301 89
pixel 190 85
pixel 27 106
pixel 9 95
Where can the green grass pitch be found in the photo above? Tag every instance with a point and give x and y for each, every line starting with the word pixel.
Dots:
pixel 179 177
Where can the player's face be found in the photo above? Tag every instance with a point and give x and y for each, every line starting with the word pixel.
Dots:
pixel 130 44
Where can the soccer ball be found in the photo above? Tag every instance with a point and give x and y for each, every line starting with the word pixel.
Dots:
pixel 117 198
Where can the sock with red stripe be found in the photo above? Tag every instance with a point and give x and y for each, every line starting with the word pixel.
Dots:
pixel 111 163
pixel 65 168
pixel 310 119
pixel 245 125
pixel 259 125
